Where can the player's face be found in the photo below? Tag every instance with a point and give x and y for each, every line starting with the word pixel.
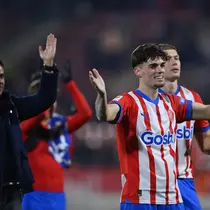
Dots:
pixel 173 66
pixel 152 73
pixel 2 80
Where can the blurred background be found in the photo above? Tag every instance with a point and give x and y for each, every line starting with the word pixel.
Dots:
pixel 102 34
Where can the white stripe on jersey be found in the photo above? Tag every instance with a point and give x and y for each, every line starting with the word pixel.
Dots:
pixel 184 157
pixel 144 162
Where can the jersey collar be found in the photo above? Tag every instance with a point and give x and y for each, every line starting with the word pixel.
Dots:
pixel 140 93
pixel 175 93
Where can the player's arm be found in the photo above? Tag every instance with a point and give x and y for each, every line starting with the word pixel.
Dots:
pixel 188 110
pixel 84 112
pixel 200 111
pixel 181 107
pixel 104 111
pixel 202 130
pixel 203 139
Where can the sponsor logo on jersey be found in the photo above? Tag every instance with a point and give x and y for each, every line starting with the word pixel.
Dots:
pixel 184 133
pixel 150 138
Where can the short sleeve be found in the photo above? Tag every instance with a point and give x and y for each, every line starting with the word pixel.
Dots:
pixel 182 108
pixel 123 102
pixel 200 125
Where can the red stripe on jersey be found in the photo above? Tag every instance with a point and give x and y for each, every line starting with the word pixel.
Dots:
pixel 128 152
pixel 187 141
pixel 159 120
pixel 149 151
pixel 162 154
pixel 146 114
pixel 167 109
pixel 172 152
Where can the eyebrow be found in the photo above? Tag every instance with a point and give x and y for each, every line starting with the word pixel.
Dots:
pixel 156 64
pixel 153 64
pixel 175 56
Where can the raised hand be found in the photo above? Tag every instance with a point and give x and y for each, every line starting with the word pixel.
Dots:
pixel 48 54
pixel 97 81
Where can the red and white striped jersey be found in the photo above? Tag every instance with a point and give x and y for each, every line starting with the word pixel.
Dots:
pixel 146 138
pixel 185 133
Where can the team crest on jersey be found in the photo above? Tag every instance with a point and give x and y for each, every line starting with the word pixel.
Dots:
pixel 170 115
pixel 117 98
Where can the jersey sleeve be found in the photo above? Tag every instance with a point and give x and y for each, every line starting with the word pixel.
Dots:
pixel 84 112
pixel 123 102
pixel 200 125
pixel 182 108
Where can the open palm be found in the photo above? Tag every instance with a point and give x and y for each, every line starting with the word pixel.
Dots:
pixel 97 81
pixel 48 54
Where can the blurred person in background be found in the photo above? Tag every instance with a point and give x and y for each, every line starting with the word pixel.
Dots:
pixel 49 144
pixel 185 130
pixel 146 132
pixel 15 173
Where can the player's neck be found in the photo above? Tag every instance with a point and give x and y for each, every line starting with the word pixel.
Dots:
pixel 170 87
pixel 150 92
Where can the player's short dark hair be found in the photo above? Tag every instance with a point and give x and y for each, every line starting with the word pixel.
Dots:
pixel 1 63
pixel 167 47
pixel 145 52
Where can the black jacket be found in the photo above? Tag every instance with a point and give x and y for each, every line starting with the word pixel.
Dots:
pixel 15 109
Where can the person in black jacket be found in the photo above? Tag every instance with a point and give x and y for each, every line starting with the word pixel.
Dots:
pixel 15 172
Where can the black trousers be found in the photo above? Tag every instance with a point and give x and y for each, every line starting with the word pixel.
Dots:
pixel 11 198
